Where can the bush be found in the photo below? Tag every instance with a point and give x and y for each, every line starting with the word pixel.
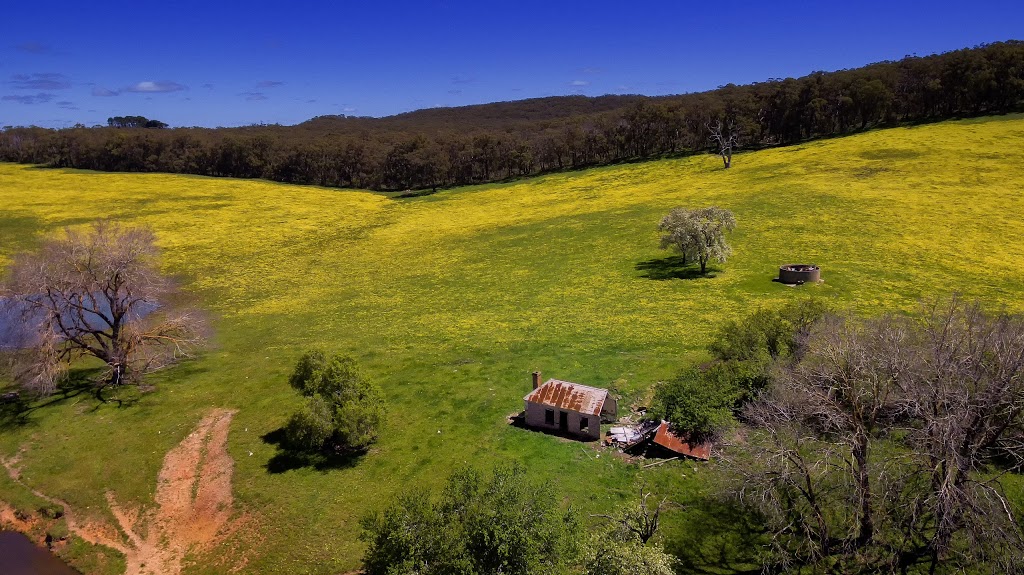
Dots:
pixel 768 334
pixel 750 347
pixel 343 411
pixel 311 427
pixel 503 524
pixel 698 401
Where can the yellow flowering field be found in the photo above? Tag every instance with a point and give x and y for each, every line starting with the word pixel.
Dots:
pixel 450 300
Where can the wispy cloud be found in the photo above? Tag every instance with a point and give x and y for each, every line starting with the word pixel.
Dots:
pixel 37 48
pixel 454 92
pixel 590 70
pixel 579 83
pixel 461 80
pixel 349 109
pixel 44 81
pixel 254 96
pixel 40 98
pixel 155 87
pixel 311 101
pixel 270 84
pixel 67 105
pixel 103 92
pixel 207 86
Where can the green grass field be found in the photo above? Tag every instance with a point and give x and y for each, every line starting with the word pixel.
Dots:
pixel 449 301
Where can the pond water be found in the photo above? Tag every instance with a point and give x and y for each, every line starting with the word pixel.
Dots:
pixel 19 556
pixel 19 323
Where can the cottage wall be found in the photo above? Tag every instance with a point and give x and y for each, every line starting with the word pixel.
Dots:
pixel 535 418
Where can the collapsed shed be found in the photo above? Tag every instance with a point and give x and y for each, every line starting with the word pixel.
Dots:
pixel 653 439
pixel 569 408
pixel 679 444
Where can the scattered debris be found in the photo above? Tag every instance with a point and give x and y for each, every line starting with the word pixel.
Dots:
pixel 657 463
pixel 655 439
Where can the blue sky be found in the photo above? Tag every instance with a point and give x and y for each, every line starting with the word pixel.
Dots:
pixel 225 64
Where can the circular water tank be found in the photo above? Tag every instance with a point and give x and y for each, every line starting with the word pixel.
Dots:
pixel 799 273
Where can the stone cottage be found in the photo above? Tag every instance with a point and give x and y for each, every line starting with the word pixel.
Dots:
pixel 569 408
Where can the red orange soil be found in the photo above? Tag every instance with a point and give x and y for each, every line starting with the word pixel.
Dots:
pixel 193 511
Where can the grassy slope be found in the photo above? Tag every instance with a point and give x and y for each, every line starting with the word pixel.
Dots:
pixel 449 301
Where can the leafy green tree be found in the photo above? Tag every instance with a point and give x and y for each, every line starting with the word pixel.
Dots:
pixel 749 348
pixel 698 234
pixel 699 401
pixel 500 524
pixel 768 333
pixel 343 412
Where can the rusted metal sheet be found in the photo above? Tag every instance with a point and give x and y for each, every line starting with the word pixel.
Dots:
pixel 569 396
pixel 681 444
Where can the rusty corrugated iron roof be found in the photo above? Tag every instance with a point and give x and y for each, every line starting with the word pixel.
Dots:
pixel 681 444
pixel 568 395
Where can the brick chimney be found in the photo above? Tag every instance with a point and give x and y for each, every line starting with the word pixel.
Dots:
pixel 536 379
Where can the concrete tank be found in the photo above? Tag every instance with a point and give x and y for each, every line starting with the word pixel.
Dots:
pixel 799 273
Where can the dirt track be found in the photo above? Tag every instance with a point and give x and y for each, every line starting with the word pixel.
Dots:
pixel 193 505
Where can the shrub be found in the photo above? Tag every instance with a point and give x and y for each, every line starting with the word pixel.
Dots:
pixel 343 411
pixel 501 524
pixel 699 401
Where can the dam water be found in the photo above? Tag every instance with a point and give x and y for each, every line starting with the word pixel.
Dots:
pixel 19 556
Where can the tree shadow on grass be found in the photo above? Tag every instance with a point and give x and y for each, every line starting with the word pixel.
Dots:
pixel 288 459
pixel 717 537
pixel 672 268
pixel 17 406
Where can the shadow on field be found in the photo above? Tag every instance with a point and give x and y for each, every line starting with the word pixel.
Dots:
pixel 672 268
pixel 718 538
pixel 288 459
pixel 17 406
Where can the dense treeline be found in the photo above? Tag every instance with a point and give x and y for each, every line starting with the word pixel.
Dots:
pixel 457 146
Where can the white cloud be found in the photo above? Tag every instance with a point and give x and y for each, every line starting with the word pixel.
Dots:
pixel 156 87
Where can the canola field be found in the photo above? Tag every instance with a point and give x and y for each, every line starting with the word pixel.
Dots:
pixel 449 301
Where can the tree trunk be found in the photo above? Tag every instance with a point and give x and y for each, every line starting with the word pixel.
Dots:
pixel 860 457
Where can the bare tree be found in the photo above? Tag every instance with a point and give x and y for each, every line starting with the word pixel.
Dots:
pixel 99 293
pixel 968 405
pixel 883 448
pixel 724 136
pixel 640 520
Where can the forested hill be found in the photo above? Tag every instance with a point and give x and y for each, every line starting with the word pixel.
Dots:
pixel 473 144
pixel 494 116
